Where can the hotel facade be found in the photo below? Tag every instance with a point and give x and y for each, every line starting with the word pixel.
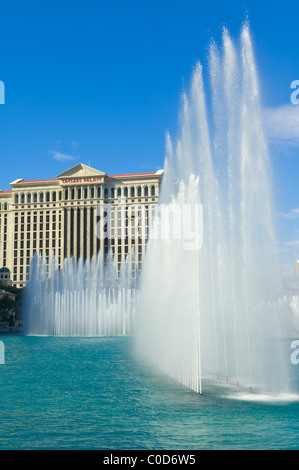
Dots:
pixel 82 213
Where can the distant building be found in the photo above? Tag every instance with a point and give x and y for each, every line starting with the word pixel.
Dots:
pixel 61 215
pixel 9 294
pixel 5 279
pixel 291 283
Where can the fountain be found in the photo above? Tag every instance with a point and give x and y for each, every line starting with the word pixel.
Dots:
pixel 208 301
pixel 214 311
pixel 82 299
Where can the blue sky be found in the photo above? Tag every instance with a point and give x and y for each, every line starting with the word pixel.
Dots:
pixel 100 82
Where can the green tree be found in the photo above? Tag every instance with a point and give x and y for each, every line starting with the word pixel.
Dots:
pixel 7 304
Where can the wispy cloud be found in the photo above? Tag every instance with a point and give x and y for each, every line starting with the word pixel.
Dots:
pixel 282 125
pixel 74 144
pixel 292 243
pixel 292 214
pixel 61 157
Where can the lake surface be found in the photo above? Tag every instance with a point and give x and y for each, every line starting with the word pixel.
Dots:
pixel 94 393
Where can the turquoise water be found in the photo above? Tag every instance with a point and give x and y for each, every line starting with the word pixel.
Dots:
pixel 92 393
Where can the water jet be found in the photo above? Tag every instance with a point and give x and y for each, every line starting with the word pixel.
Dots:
pixel 218 308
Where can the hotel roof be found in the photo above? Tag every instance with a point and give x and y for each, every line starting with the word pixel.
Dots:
pixel 35 181
pixel 79 171
pixel 49 180
pixel 108 176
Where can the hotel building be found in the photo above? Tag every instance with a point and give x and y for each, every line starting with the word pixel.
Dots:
pixel 80 213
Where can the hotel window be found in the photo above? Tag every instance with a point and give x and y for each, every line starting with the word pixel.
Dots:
pixel 132 191
pixel 139 191
pixel 125 191
pixel 54 196
pixel 99 191
pixel 92 192
pixel 146 191
pixel 47 196
pixel 66 194
pixel 34 197
pixel 73 193
pixel 153 191
pixel 85 193
pixel 79 193
pixel 41 197
pixel 22 198
pixel 28 198
pixel 112 193
pixel 106 192
pixel 60 195
pixel 118 192
pixel 16 198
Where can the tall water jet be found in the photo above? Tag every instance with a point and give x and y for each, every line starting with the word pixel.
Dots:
pixel 214 309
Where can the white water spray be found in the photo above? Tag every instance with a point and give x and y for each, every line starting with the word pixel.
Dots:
pixel 82 299
pixel 215 311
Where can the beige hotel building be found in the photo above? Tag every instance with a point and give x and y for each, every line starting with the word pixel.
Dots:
pixel 67 216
